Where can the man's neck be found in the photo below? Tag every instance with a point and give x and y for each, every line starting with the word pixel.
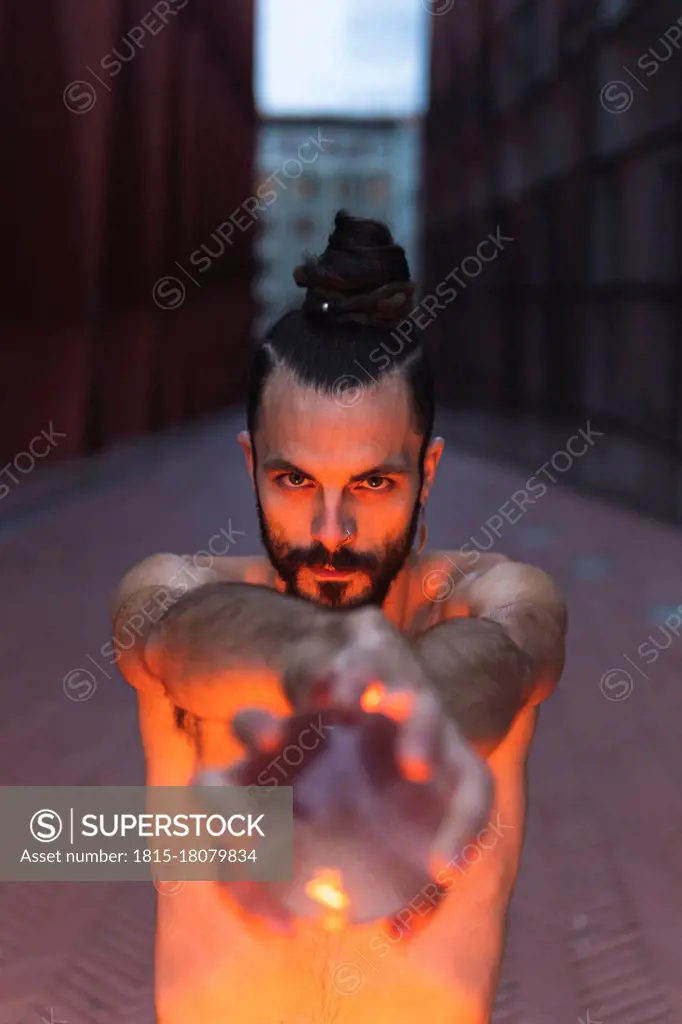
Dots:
pixel 395 607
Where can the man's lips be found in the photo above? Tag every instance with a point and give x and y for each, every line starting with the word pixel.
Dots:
pixel 326 573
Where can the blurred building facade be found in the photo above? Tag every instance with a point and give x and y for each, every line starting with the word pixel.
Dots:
pixel 558 124
pixel 128 134
pixel 369 167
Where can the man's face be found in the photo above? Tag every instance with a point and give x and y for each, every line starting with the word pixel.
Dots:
pixel 338 488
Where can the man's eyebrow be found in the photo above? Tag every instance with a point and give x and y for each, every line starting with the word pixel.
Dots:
pixel 385 469
pixel 275 463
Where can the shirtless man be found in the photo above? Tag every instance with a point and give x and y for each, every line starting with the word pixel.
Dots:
pixel 341 479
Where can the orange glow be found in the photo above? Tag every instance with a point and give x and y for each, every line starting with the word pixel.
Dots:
pixel 327 890
pixel 415 769
pixel 334 921
pixel 396 706
pixel 269 741
pixel 372 697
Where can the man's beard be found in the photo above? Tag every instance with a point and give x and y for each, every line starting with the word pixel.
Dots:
pixel 381 569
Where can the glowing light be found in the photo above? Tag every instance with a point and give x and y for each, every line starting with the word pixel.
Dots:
pixel 327 890
pixel 372 697
pixel 334 921
pixel 415 769
pixel 396 705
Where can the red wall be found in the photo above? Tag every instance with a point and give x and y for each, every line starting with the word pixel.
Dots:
pixel 107 184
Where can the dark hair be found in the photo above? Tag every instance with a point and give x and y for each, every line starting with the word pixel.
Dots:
pixel 357 292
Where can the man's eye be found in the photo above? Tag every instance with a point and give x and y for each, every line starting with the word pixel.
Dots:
pixel 378 483
pixel 293 480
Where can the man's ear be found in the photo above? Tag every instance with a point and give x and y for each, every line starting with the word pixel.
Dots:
pixel 431 460
pixel 244 439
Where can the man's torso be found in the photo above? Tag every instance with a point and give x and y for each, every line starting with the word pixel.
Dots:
pixel 440 964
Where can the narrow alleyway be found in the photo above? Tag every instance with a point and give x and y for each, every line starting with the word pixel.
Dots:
pixel 596 924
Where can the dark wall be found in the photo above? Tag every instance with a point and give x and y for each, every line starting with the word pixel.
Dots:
pixel 128 133
pixel 558 124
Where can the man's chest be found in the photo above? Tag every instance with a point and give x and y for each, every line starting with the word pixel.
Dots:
pixel 437 961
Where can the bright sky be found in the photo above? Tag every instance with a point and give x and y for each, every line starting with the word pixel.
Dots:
pixel 350 57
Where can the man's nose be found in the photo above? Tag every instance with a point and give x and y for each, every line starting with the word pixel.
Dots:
pixel 331 526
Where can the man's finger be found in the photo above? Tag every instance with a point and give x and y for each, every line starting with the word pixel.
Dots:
pixel 420 719
pixel 346 687
pixel 212 778
pixel 260 731
pixel 473 793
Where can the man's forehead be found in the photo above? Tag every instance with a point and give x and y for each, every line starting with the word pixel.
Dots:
pixel 367 427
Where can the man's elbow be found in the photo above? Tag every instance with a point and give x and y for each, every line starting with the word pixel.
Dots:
pixel 140 601
pixel 551 666
pixel 532 608
pixel 153 571
pixel 546 683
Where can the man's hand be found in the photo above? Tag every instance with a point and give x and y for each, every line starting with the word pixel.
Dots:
pixel 357 660
pixel 351 661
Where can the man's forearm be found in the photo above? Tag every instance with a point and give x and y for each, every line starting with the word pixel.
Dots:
pixel 509 653
pixel 225 626
pixel 480 674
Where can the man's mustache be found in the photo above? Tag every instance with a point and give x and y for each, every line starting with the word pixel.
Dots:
pixel 317 557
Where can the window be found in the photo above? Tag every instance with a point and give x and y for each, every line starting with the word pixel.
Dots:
pixel 577 26
pixel 525 48
pixel 361 146
pixel 378 190
pixel 308 187
pixel 665 225
pixel 614 10
pixel 303 227
pixel 348 190
pixel 607 222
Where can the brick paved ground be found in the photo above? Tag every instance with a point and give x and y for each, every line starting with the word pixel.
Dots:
pixel 596 925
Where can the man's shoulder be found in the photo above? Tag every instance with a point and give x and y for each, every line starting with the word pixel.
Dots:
pixel 458 563
pixel 437 574
pixel 436 584
pixel 188 572
pixel 243 569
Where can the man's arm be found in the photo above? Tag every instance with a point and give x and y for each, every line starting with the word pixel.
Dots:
pixel 187 636
pixel 216 644
pixel 140 601
pixel 219 649
pixel 507 653
pixel 190 631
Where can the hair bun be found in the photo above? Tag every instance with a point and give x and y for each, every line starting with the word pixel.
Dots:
pixel 361 277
